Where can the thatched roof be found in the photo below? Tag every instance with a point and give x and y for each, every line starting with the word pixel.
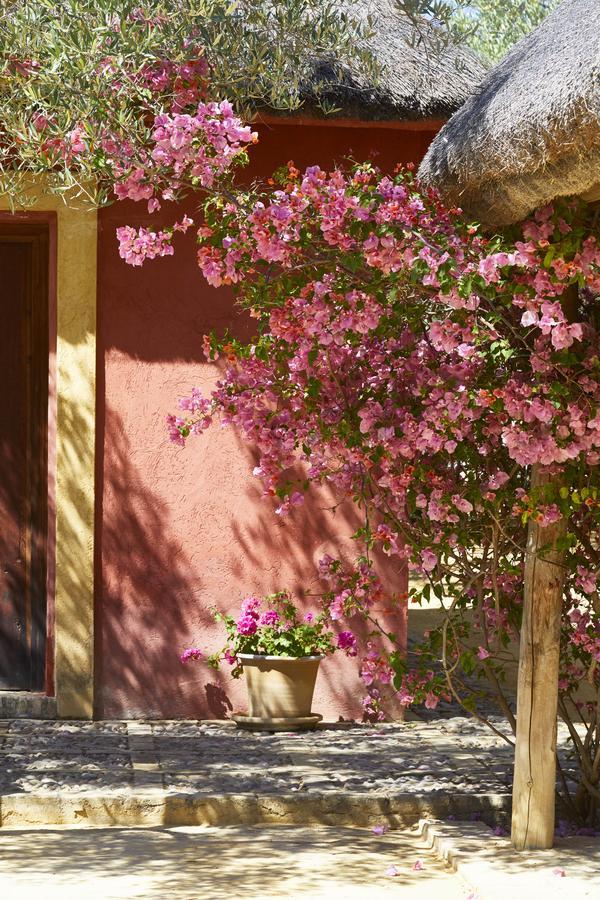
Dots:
pixel 531 132
pixel 416 80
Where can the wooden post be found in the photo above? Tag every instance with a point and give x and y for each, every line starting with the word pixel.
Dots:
pixel 534 785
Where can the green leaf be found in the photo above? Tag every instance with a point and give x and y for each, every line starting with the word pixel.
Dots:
pixel 468 662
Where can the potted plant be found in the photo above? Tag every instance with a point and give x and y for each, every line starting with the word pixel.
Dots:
pixel 279 652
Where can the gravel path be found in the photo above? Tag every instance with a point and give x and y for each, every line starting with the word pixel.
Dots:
pixel 455 755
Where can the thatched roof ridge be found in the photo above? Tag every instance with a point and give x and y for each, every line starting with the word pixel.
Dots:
pixel 416 81
pixel 531 132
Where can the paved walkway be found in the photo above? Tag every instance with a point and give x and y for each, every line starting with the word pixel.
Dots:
pixel 193 773
pixel 220 864
pixel 184 756
pixel 189 757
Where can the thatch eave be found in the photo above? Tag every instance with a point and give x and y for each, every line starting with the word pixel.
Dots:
pixel 417 81
pixel 531 132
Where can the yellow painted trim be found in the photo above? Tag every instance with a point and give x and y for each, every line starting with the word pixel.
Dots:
pixel 75 452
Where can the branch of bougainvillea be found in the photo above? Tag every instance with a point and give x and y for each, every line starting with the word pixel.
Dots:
pixel 590 735
pixel 589 738
pixel 583 538
pixel 448 621
pixel 592 788
pixel 475 714
pixel 578 743
pixel 448 670
pixel 500 696
pixel 567 795
pixel 596 761
pixel 402 526
pixel 494 573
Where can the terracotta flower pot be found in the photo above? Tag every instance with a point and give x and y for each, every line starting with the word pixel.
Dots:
pixel 280 691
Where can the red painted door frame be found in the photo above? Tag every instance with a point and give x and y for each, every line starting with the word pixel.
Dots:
pixel 34 237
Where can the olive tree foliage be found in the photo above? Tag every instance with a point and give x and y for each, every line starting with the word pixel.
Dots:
pixel 493 26
pixel 83 64
pixel 76 74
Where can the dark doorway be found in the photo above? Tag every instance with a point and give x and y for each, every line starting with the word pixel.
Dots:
pixel 23 454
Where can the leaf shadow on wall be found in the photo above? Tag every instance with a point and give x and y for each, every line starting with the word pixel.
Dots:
pixel 148 600
pixel 276 553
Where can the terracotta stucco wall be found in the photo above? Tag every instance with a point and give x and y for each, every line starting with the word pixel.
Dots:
pixel 179 531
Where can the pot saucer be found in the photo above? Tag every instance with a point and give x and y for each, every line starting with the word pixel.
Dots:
pixel 295 723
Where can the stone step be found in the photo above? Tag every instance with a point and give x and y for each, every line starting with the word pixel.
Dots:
pixel 26 705
pixel 150 805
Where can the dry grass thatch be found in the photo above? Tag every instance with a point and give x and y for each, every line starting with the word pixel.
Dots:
pixel 531 132
pixel 416 80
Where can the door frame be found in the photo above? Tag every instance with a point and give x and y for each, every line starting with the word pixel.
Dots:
pixel 72 227
pixel 35 513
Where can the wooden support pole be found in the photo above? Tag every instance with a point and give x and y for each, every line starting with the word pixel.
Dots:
pixel 534 785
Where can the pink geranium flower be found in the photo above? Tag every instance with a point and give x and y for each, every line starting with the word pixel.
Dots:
pixel 192 653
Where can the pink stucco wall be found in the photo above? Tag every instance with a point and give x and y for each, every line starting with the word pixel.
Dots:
pixel 182 530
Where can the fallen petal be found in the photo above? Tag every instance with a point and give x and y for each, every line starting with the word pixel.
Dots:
pixel 560 873
pixel 418 866
pixel 380 829
pixel 392 871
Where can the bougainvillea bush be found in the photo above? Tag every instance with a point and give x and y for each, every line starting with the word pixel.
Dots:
pixel 421 367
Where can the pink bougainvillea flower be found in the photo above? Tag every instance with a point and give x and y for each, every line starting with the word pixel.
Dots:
pixel 39 121
pixel 418 866
pixel 431 700
pixel 429 560
pixel 482 653
pixel 76 141
pixel 380 829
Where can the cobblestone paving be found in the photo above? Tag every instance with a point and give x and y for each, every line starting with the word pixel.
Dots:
pixel 455 755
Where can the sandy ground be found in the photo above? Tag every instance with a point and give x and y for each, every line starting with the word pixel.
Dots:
pixel 219 864
pixel 569 871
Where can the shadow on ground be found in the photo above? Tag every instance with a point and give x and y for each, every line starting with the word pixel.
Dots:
pixel 221 864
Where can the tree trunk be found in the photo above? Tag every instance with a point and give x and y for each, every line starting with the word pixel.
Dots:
pixel 534 785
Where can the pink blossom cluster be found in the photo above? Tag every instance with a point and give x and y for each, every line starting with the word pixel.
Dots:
pixel 187 151
pixel 185 82
pixel 135 247
pixel 584 633
pixel 249 619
